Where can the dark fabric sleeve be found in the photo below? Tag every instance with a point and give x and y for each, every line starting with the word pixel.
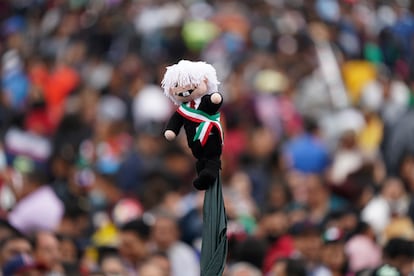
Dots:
pixel 175 123
pixel 208 106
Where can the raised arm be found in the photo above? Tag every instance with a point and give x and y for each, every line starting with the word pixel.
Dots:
pixel 211 103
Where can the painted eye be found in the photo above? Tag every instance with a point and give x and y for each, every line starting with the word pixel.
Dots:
pixel 176 85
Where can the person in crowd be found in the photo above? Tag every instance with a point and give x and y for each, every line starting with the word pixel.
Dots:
pixel 22 265
pixel 151 269
pixel 242 268
pixel 308 244
pixel 111 264
pixel 46 250
pixel 362 250
pixel 161 260
pixel 273 228
pixel 392 201
pixel 397 259
pixel 134 244
pixel 320 200
pixel 313 160
pixel 333 256
pixel 69 255
pixel 166 237
pixel 13 246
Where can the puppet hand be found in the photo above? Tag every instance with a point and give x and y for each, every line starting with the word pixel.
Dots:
pixel 216 98
pixel 169 135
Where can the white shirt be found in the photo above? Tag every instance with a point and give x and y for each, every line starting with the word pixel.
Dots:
pixel 184 261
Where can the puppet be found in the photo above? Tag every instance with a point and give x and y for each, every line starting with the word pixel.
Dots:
pixel 193 86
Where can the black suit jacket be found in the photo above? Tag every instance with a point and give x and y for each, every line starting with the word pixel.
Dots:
pixel 213 146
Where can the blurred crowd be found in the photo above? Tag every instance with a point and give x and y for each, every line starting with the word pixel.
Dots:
pixel 318 159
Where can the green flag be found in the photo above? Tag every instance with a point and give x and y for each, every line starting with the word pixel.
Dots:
pixel 214 238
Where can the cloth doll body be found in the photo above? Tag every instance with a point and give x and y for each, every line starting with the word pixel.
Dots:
pixel 198 114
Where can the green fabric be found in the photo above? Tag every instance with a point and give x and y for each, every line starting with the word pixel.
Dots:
pixel 214 239
pixel 215 117
pixel 198 33
pixel 198 131
pixel 373 53
pixel 411 100
pixel 23 164
pixel 249 223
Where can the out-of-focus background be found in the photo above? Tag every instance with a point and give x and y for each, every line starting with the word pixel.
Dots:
pixel 318 161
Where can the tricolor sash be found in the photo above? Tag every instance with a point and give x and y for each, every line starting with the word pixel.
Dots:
pixel 207 122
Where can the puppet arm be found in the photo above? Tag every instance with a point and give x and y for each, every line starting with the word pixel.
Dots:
pixel 211 103
pixel 173 126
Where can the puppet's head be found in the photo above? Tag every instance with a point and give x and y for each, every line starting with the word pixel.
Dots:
pixel 189 80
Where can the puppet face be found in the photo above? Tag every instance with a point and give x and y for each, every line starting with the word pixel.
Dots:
pixel 188 92
pixel 189 80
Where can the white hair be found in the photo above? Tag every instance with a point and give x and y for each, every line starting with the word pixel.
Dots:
pixel 187 72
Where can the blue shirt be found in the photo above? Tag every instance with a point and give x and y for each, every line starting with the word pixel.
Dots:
pixel 307 154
